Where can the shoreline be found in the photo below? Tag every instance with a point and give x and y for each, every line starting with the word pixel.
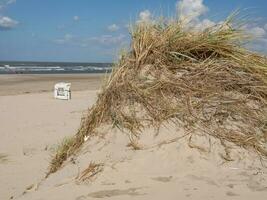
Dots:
pixel 16 84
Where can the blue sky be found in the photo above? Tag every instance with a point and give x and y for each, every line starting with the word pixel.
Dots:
pixel 96 30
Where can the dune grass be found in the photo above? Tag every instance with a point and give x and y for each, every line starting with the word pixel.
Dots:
pixel 62 152
pixel 92 170
pixel 200 80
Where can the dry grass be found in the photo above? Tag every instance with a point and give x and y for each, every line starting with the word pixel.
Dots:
pixel 62 152
pixel 202 81
pixel 134 144
pixel 90 172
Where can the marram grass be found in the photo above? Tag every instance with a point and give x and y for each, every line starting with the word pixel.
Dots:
pixel 200 80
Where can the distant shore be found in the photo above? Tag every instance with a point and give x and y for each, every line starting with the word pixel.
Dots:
pixel 13 84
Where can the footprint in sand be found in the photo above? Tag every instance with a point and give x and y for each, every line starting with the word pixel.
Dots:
pixel 111 193
pixel 28 151
pixel 163 179
pixel 231 194
pixel 256 181
pixel 190 159
pixel 127 181
pixel 256 186
pixel 107 183
pixel 230 185
pixel 202 178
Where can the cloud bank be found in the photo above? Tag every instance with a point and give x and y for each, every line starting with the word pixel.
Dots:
pixel 194 12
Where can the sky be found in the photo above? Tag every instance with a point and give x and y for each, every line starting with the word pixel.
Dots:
pixel 97 30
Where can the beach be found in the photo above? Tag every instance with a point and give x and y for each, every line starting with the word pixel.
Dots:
pixel 134 100
pixel 33 123
pixel 14 84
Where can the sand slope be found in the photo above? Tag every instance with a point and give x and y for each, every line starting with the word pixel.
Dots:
pixel 32 124
pixel 167 171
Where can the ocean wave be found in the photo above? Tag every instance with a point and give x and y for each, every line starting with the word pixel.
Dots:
pixel 22 68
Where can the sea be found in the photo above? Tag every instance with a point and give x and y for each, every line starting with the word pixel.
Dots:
pixel 18 67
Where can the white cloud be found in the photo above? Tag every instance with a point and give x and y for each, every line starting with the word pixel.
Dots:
pixel 192 12
pixel 66 39
pixel 191 9
pixel 144 16
pixel 11 1
pixel 7 23
pixel 108 39
pixel 76 18
pixel 102 40
pixel 5 3
pixel 259 45
pixel 68 36
pixel 260 38
pixel 113 27
pixel 257 32
pixel 204 24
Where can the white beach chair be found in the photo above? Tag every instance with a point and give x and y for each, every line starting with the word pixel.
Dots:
pixel 62 91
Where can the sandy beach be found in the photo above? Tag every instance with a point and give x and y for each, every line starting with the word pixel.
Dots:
pixel 13 84
pixel 33 123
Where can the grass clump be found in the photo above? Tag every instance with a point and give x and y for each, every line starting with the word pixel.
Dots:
pixel 62 152
pixel 200 80
pixel 92 170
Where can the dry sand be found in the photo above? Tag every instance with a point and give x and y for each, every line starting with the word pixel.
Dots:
pixel 33 123
pixel 23 83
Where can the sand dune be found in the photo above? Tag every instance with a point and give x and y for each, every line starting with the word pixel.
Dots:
pixel 170 171
pixel 33 124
